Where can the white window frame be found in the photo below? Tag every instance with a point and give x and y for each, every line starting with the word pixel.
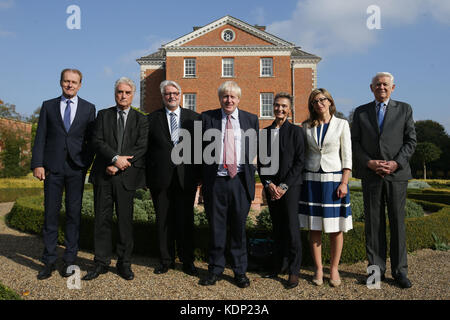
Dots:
pixel 266 70
pixel 190 67
pixel 226 62
pixel 266 104
pixel 190 101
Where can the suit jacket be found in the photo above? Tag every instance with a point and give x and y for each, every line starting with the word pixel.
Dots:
pixel 336 151
pixel 212 119
pixel 104 142
pixel 396 142
pixel 160 167
pixel 53 143
pixel 291 155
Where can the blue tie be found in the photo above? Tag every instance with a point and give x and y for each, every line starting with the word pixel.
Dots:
pixel 67 116
pixel 381 111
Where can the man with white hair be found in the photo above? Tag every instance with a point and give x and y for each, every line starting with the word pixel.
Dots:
pixel 120 143
pixel 383 141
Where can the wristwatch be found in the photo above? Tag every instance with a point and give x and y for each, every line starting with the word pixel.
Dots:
pixel 283 186
pixel 114 159
pixel 267 183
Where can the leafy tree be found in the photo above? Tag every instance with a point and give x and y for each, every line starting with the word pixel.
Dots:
pixel 427 152
pixel 15 162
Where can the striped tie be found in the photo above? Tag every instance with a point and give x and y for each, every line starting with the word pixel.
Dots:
pixel 173 128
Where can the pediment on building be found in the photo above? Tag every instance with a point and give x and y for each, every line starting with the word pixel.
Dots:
pixel 228 31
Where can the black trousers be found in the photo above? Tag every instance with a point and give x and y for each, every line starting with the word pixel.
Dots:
pixel 72 181
pixel 106 198
pixel 174 208
pixel 227 204
pixel 377 194
pixel 286 231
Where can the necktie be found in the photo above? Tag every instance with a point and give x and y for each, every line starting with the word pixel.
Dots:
pixel 229 152
pixel 67 116
pixel 380 115
pixel 120 131
pixel 173 128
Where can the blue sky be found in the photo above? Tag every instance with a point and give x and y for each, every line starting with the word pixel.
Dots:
pixel 412 43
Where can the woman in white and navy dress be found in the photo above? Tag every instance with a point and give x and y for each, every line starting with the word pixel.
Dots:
pixel 325 200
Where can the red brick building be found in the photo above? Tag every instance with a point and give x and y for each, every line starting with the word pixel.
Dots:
pixel 230 49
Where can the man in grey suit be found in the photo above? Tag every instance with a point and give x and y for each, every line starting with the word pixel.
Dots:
pixel 383 141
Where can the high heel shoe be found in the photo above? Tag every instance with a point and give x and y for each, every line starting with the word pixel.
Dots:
pixel 318 282
pixel 335 283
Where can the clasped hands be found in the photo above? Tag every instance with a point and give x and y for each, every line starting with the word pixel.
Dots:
pixel 382 167
pixel 275 192
pixel 121 164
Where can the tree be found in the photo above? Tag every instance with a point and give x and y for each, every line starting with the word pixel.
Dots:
pixel 13 158
pixel 427 152
pixel 434 132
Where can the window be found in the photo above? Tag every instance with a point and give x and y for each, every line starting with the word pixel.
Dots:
pixel 228 35
pixel 266 67
pixel 266 104
pixel 190 101
pixel 189 67
pixel 228 67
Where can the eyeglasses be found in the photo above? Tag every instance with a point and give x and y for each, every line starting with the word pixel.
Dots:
pixel 319 100
pixel 168 94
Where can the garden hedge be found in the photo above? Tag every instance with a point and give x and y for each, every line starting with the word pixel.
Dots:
pixel 28 215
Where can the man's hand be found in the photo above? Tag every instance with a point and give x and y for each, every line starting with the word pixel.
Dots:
pixel 382 167
pixel 281 193
pixel 111 170
pixel 39 173
pixel 122 162
pixel 273 191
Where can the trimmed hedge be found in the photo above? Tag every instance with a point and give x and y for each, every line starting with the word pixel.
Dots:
pixel 28 215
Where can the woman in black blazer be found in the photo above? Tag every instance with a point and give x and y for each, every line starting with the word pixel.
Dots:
pixel 282 189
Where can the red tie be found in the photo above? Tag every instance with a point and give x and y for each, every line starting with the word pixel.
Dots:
pixel 229 152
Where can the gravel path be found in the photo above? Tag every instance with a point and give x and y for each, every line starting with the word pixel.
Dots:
pixel 429 272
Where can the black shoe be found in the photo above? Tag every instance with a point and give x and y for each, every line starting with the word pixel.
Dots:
pixel 271 275
pixel 403 282
pixel 292 281
pixel 46 272
pixel 210 280
pixel 241 280
pixel 163 268
pixel 125 272
pixel 99 269
pixel 190 269
pixel 65 272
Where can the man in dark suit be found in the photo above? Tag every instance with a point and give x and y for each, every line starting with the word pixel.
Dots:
pixel 172 186
pixel 229 181
pixel 61 157
pixel 383 141
pixel 120 143
pixel 282 188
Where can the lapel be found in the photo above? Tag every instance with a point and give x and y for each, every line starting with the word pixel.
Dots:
pixel 330 131
pixel 112 120
pixel 390 115
pixel 162 119
pixel 282 134
pixel 372 113
pixel 57 112
pixel 77 114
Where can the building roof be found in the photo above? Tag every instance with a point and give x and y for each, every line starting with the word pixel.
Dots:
pixel 257 31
